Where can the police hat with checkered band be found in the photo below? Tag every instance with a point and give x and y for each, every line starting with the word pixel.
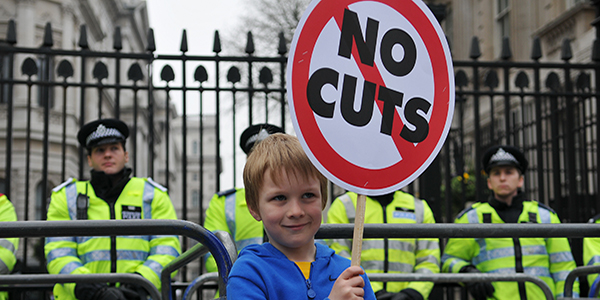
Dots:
pixel 504 155
pixel 256 133
pixel 103 131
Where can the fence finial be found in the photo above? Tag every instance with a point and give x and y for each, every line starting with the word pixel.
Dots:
pixel 151 45
pixel 250 44
pixel 184 44
pixel 475 52
pixel 117 40
pixel 48 42
pixel 596 51
pixel 217 43
pixel 11 33
pixel 536 49
pixel 506 53
pixel 282 50
pixel 83 42
pixel 565 51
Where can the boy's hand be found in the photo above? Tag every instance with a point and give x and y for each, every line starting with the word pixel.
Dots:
pixel 349 285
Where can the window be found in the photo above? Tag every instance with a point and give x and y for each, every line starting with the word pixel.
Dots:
pixel 195 147
pixel 503 20
pixel 195 176
pixel 195 199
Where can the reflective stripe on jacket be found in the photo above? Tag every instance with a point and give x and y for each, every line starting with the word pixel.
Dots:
pixel 8 246
pixel 550 259
pixel 228 212
pixel 146 255
pixel 390 255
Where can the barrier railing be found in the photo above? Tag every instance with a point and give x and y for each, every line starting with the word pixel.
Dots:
pixel 194 253
pixel 224 255
pixel 440 230
pixel 108 228
pixel 455 278
pixel 577 272
pixel 82 278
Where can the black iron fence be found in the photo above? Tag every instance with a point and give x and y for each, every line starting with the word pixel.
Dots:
pixel 548 109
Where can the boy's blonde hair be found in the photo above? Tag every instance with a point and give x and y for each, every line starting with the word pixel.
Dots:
pixel 278 153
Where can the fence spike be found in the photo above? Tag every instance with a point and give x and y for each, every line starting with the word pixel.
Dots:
pixel 475 52
pixel 536 49
pixel 83 42
pixel 596 51
pixel 506 53
pixel 565 51
pixel 48 42
pixel 250 44
pixel 117 40
pixel 217 43
pixel 282 50
pixel 184 43
pixel 11 33
pixel 151 45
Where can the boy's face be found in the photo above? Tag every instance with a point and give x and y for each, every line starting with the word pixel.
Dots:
pixel 290 212
pixel 504 181
pixel 108 158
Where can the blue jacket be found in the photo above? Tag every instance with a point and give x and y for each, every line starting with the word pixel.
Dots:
pixel 263 272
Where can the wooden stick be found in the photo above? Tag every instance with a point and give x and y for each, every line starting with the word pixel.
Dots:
pixel 359 225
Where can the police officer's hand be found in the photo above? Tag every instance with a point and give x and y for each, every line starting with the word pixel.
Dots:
pixel 109 293
pixel 406 294
pixel 479 290
pixel 133 291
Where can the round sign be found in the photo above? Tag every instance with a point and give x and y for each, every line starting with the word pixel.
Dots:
pixel 371 91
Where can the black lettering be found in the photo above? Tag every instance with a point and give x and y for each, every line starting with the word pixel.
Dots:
pixel 390 99
pixel 351 31
pixel 391 38
pixel 363 116
pixel 316 82
pixel 421 126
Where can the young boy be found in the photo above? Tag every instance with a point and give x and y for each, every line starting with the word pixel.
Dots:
pixel 287 193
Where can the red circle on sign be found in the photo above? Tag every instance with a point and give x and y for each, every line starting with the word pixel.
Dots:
pixel 415 158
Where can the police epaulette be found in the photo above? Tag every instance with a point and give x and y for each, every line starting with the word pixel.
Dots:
pixel 226 192
pixel 464 211
pixel 594 219
pixel 62 185
pixel 546 207
pixel 156 185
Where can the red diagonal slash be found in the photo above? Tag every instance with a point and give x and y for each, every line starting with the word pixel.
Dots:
pixel 372 74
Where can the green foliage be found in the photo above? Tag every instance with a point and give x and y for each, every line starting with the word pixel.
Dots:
pixel 456 186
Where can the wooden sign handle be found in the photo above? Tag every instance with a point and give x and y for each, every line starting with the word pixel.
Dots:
pixel 359 225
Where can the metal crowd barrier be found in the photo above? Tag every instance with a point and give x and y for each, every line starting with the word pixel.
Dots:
pixel 108 228
pixel 202 279
pixel 441 230
pixel 190 255
pixel 445 277
pixel 577 272
pixel 85 278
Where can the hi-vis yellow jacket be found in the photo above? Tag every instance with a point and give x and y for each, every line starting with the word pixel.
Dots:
pixel 550 259
pixel 228 212
pixel 390 255
pixel 8 246
pixel 591 252
pixel 141 198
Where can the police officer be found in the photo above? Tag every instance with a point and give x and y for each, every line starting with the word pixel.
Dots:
pixel 8 246
pixel 227 210
pixel 550 259
pixel 390 255
pixel 110 194
pixel 591 257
